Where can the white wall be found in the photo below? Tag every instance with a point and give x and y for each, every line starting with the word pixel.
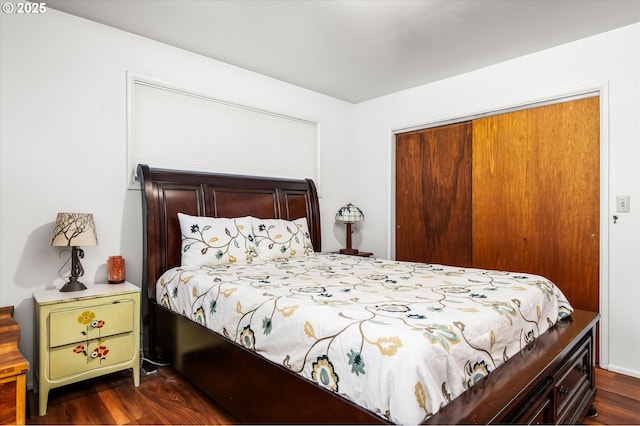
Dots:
pixel 610 61
pixel 63 142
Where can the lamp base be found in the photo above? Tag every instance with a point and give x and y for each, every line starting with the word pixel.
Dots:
pixel 349 251
pixel 73 285
pixel 76 271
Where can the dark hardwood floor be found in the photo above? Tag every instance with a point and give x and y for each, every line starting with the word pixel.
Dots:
pixel 164 397
pixel 617 399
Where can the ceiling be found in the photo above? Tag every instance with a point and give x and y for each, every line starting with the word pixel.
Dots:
pixel 357 50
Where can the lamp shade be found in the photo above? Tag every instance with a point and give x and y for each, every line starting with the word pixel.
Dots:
pixel 74 229
pixel 349 214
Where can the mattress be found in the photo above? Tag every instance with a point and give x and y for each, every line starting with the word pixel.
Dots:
pixel 400 339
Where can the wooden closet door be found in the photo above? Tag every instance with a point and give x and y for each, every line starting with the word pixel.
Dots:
pixel 536 195
pixel 433 195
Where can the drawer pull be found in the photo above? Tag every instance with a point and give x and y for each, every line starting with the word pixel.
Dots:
pixel 582 368
pixel 563 391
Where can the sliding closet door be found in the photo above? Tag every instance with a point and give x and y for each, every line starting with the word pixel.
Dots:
pixel 433 195
pixel 516 191
pixel 536 195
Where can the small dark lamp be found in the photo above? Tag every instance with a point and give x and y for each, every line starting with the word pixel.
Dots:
pixel 349 214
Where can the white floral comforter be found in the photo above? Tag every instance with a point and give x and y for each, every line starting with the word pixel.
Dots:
pixel 400 339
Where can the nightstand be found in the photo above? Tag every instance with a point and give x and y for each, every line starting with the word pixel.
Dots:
pixel 85 334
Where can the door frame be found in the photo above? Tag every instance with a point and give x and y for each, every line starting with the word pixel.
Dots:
pixel 600 89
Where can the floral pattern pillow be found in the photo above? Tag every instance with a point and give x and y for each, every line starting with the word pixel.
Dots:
pixel 279 238
pixel 216 241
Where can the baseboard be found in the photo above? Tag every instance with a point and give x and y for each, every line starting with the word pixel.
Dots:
pixel 622 370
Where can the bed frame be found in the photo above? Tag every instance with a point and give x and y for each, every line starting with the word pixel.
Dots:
pixel 551 381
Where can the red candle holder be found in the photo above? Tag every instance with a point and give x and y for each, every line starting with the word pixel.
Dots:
pixel 115 269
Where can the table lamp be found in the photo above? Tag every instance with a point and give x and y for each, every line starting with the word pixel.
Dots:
pixel 349 214
pixel 73 230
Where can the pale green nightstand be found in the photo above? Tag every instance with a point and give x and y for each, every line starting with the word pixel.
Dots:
pixel 85 334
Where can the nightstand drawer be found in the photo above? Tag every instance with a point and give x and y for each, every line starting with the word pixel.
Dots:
pixel 91 322
pixel 85 356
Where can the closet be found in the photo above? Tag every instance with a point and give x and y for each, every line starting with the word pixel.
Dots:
pixel 516 191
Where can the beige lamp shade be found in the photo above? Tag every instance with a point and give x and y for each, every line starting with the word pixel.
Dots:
pixel 349 214
pixel 74 229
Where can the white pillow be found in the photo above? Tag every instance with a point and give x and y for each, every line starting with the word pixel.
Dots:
pixel 279 238
pixel 216 241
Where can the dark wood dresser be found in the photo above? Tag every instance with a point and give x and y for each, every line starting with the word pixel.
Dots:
pixel 13 371
pixel 557 386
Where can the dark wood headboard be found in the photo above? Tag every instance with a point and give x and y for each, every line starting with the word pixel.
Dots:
pixel 165 193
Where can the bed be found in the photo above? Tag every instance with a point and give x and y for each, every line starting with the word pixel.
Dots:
pixel 354 327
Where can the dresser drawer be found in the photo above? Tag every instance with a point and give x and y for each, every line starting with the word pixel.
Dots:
pixel 91 322
pixel 537 407
pixel 542 415
pixel 573 383
pixel 94 354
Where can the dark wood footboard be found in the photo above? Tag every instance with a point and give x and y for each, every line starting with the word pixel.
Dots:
pixel 253 389
pixel 550 382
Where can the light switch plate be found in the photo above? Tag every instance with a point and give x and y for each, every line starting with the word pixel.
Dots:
pixel 622 204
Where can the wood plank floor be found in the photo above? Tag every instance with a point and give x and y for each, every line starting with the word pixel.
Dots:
pixel 164 397
pixel 617 399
